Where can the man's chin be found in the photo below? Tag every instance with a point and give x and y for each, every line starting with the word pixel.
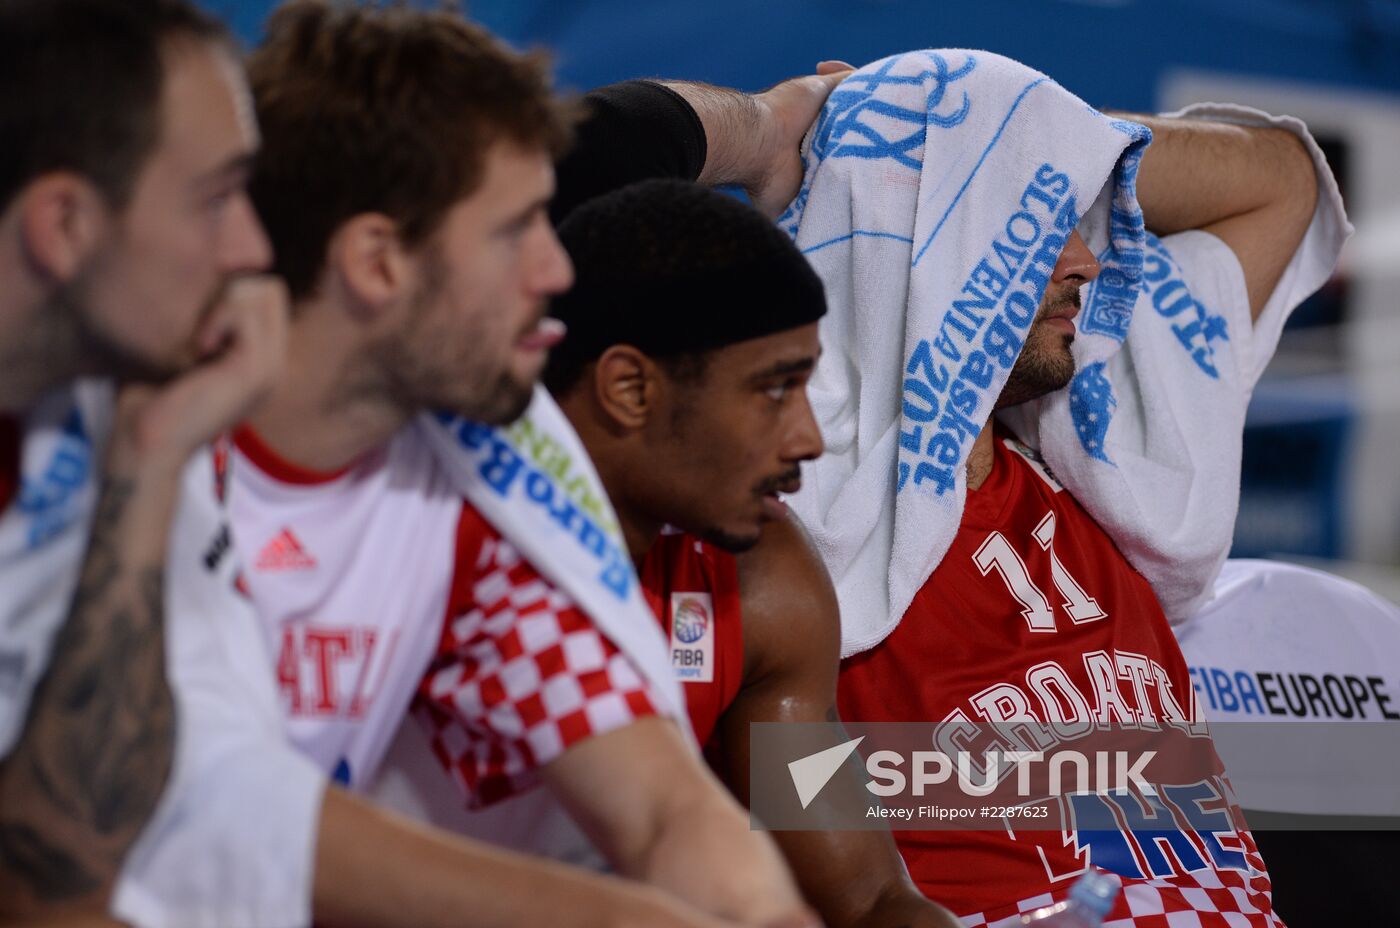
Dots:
pixel 123 366
pixel 1036 378
pixel 507 402
pixel 731 542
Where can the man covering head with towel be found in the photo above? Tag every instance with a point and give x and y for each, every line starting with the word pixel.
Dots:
pixel 989 577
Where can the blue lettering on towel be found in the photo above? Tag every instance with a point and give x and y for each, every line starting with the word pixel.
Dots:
pixel 1109 300
pixel 950 376
pixel 842 132
pixel 1091 405
pixel 847 126
pixel 1195 326
pixel 506 470
pixel 46 499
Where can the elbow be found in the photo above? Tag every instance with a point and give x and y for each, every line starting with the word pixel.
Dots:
pixel 1297 178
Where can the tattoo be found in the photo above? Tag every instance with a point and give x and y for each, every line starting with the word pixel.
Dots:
pixel 99 739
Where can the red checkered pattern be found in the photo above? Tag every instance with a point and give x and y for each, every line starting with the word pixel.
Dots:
pixel 521 674
pixel 1200 899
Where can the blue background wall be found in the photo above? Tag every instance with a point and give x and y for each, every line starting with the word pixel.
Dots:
pixel 1111 52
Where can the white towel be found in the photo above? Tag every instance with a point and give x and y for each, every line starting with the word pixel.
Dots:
pixel 534 482
pixel 1167 412
pixel 939 187
pixel 939 191
pixel 233 840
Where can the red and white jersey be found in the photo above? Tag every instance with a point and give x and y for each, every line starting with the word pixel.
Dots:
pixel 379 591
pixel 1034 615
pixel 693 587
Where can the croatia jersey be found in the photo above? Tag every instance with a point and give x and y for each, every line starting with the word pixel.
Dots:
pixel 380 592
pixel 693 587
pixel 1034 619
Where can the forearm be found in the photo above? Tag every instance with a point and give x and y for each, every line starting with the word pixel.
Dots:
pixel 1254 188
pixel 902 906
pixel 99 739
pixel 856 879
pixel 706 854
pixel 1197 173
pixel 754 140
pixel 376 871
pixel 736 132
pixel 658 815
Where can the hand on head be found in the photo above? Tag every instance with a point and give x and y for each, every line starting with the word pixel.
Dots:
pixel 789 109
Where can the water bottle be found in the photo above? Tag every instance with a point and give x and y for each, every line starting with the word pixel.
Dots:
pixel 1090 900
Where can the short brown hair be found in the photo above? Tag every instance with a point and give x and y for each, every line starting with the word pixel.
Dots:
pixel 386 110
pixel 82 82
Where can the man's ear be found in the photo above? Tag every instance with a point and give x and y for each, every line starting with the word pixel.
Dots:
pixel 368 258
pixel 62 218
pixel 625 384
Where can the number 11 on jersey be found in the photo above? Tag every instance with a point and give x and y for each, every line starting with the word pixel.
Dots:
pixel 997 554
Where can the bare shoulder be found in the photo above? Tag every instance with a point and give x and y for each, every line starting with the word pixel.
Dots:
pixel 787 598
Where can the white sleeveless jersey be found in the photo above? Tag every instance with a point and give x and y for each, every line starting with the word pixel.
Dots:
pixel 378 589
pixel 350 578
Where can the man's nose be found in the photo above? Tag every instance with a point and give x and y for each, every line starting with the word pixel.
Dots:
pixel 1077 263
pixel 805 440
pixel 242 244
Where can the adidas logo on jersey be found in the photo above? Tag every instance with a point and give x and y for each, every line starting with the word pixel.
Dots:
pixel 284 552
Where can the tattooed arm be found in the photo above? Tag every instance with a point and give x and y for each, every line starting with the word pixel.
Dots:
pixel 97 747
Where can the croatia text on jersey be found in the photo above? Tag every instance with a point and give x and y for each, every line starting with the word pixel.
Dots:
pixel 332 671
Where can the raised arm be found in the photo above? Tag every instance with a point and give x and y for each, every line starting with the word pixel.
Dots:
pixel 753 140
pixel 792 640
pixel 99 739
pixel 681 130
pixel 1253 188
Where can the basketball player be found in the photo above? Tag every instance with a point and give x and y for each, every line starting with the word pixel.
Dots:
pixel 1232 205
pixel 125 138
pixel 404 182
pixel 692 331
